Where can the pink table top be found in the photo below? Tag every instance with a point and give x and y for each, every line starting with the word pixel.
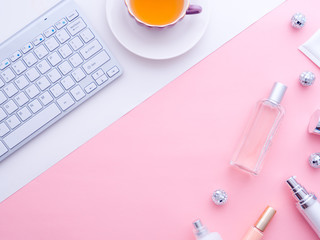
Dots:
pixel 150 174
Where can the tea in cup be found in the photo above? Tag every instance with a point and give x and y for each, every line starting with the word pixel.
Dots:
pixel 160 13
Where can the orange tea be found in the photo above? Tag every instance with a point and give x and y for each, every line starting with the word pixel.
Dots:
pixel 157 12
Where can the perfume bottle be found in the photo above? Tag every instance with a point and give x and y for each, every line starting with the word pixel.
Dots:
pixel 259 131
pixel 202 233
pixel 307 204
pixel 256 231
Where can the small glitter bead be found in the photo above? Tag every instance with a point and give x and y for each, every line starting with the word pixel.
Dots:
pixel 314 160
pixel 219 197
pixel 307 78
pixel 298 20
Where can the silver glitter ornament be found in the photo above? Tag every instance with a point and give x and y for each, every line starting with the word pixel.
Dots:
pixel 298 20
pixel 219 197
pixel 307 78
pixel 314 160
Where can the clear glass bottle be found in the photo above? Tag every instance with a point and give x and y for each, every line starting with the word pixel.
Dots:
pixel 259 131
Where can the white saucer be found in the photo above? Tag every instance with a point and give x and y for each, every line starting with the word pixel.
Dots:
pixel 157 43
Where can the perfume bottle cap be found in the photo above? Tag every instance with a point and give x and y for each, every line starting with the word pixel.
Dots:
pixel 277 92
pixel 265 218
pixel 314 124
pixel 293 183
pixel 304 198
pixel 199 230
pixel 299 192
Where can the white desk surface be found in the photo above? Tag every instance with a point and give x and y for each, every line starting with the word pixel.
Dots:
pixel 142 78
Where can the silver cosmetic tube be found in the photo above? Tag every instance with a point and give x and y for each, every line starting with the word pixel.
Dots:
pixel 307 204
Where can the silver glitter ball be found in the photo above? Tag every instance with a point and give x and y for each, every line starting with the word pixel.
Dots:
pixel 219 197
pixel 298 20
pixel 307 78
pixel 314 160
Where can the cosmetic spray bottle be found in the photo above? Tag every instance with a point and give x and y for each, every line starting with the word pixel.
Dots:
pixel 256 231
pixel 202 233
pixel 307 204
pixel 259 132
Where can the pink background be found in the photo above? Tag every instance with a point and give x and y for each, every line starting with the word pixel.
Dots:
pixel 150 174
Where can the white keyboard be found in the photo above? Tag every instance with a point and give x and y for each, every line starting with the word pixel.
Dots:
pixel 48 69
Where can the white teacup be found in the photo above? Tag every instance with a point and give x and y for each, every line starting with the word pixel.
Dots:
pixel 160 13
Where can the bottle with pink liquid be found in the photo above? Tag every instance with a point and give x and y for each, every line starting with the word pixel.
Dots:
pixel 260 131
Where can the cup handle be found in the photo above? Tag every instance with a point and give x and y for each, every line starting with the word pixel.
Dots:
pixel 194 9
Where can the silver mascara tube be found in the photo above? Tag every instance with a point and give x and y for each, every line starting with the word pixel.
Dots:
pixel 307 204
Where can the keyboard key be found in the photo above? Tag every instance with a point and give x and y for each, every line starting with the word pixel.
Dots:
pixel 54 75
pixel 46 98
pixel 54 59
pixel 15 56
pixel 102 79
pixel 3 115
pixel 5 63
pixel 26 48
pixel 96 62
pixel 113 71
pixel 19 67
pixel 10 106
pixel 30 59
pixel 78 75
pixel 92 86
pixel 22 82
pixel 39 39
pixel 56 90
pixel 90 49
pixel 35 106
pixel 3 98
pixel 32 91
pixel 97 74
pixel 71 16
pixel 41 52
pixel 21 99
pixel 3 149
pixel 65 51
pixel 77 93
pixel 76 26
pixel 35 123
pixel 43 66
pixel 13 121
pixel 86 35
pixel 49 31
pixel 43 83
pixel 76 60
pixel 24 113
pixel 76 43
pixel 61 23
pixel 52 44
pixel 65 101
pixel 32 74
pixel 62 36
pixel 67 82
pixel 8 75
pixel 65 68
pixel 10 89
pixel 3 129
pixel 1 83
